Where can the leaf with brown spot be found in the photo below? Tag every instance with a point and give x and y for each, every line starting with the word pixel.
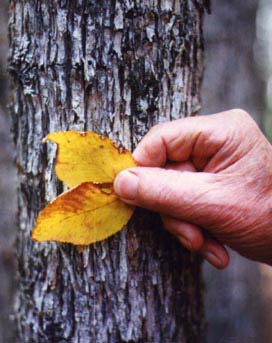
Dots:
pixel 87 156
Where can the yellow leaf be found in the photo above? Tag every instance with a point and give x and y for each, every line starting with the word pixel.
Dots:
pixel 90 211
pixel 87 156
pixel 82 215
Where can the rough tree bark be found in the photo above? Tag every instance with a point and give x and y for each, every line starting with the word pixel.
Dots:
pixel 116 67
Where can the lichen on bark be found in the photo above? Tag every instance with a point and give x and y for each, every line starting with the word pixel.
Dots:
pixel 116 67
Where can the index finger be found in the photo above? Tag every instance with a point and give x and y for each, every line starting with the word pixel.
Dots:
pixel 197 138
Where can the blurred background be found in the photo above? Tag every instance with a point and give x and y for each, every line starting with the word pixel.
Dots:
pixel 8 200
pixel 238 73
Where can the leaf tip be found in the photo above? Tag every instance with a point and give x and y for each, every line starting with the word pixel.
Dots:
pixel 33 236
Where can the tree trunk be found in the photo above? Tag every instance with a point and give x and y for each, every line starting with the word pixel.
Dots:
pixel 116 67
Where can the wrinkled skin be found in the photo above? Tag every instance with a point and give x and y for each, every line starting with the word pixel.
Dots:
pixel 210 178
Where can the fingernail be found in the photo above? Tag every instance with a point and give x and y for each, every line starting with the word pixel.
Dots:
pixel 213 259
pixel 126 185
pixel 185 241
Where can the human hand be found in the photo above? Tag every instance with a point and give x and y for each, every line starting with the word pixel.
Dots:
pixel 210 178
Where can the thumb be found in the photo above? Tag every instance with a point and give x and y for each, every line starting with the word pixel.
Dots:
pixel 185 195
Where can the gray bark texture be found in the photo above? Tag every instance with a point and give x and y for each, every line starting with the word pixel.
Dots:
pixel 7 230
pixel 236 307
pixel 116 67
pixel 7 196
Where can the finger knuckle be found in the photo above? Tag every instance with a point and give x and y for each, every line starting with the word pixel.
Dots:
pixel 150 150
pixel 240 112
pixel 156 128
pixel 197 245
pixel 241 115
pixel 244 120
